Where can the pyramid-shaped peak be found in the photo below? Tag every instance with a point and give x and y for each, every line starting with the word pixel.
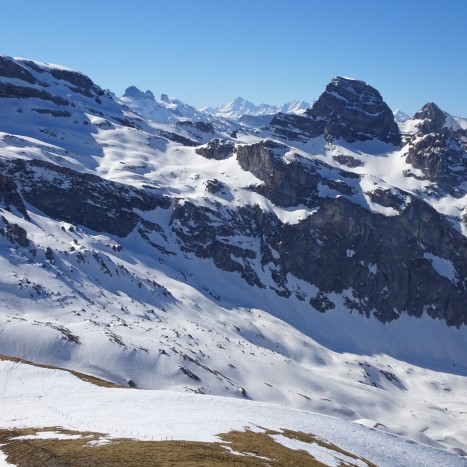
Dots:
pixel 354 110
pixel 429 111
pixel 433 117
pixel 239 100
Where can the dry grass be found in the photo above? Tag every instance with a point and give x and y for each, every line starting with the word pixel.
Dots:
pixel 309 438
pixel 257 449
pixel 83 376
pixel 250 449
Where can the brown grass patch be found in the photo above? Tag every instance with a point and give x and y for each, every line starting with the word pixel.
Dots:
pixel 88 378
pixel 309 438
pixel 258 450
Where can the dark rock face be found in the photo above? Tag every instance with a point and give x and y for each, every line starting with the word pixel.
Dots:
pixel 381 264
pixel 81 84
pixel 433 118
pixel 386 268
pixel 292 182
pixel 178 138
pixel 21 92
pixel 348 109
pixel 348 161
pixel 11 69
pixel 9 196
pixel 79 198
pixel 200 126
pixel 55 113
pixel 435 154
pixel 342 247
pixel 216 187
pixel 193 225
pixel 439 151
pixel 14 233
pixel 388 198
pixel 217 149
pixel 21 70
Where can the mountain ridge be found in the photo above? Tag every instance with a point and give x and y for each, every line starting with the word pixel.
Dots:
pixel 142 240
pixel 240 107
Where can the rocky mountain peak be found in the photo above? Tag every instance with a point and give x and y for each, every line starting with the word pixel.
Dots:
pixel 353 90
pixel 134 92
pixel 433 118
pixel 348 109
pixel 438 148
pixel 354 110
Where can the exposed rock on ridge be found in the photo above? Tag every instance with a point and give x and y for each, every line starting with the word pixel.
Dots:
pixel 348 109
pixel 83 199
pixel 439 150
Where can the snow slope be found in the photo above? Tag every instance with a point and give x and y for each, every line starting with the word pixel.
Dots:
pixel 38 397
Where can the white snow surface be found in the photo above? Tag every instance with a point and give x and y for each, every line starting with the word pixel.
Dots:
pixel 321 454
pixel 3 457
pixel 442 266
pixel 38 397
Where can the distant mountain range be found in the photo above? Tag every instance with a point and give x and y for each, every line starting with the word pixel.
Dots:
pixel 309 256
pixel 239 107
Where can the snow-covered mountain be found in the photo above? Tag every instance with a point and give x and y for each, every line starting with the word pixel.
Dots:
pixel 318 261
pixel 165 110
pixel 240 107
pixel 400 116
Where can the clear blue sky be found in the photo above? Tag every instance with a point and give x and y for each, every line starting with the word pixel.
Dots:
pixel 206 52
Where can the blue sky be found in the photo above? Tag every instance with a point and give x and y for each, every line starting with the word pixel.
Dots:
pixel 206 52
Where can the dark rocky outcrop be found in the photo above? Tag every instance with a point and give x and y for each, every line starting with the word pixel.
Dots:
pixel 439 151
pixel 171 136
pixel 386 269
pixel 9 196
pixel 293 181
pixel 217 149
pixel 215 187
pixel 14 233
pixel 200 126
pixel 54 113
pixel 9 68
pixel 348 109
pixel 80 83
pixel 433 118
pixel 81 198
pixel 22 92
pixel 194 226
pixel 347 160
pixel 379 263
pixel 389 198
